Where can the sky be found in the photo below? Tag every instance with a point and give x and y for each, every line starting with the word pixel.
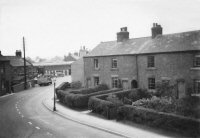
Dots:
pixel 56 27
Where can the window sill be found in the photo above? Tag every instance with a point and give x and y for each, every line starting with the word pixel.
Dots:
pixel 195 68
pixel 114 69
pixel 152 90
pixel 151 68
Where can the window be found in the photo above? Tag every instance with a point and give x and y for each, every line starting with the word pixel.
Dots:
pixel 151 83
pixel 197 61
pixel 197 86
pixel 150 61
pixel 2 70
pixel 96 81
pixel 114 63
pixel 96 63
pixel 2 84
pixel 114 82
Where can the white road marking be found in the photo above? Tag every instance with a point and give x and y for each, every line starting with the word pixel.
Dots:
pixel 19 112
pixel 30 123
pixel 22 116
pixel 37 128
pixel 17 109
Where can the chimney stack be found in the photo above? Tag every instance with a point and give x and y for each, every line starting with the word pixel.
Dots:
pixel 122 35
pixel 18 53
pixel 156 30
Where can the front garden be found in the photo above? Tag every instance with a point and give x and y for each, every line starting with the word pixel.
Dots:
pixel 159 109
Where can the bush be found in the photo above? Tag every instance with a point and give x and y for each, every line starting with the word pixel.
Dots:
pixel 159 104
pixel 168 121
pixel 79 99
pixel 114 99
pixel 102 107
pixel 137 94
pixel 63 86
pixel 76 85
pixel 188 106
pixel 164 89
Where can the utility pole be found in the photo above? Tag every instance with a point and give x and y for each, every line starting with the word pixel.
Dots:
pixel 24 64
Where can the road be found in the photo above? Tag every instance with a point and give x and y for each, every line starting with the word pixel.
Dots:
pixel 22 115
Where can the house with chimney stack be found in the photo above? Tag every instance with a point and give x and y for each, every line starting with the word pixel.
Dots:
pixel 16 68
pixel 142 62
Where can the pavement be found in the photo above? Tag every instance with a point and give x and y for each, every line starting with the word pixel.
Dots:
pixel 110 126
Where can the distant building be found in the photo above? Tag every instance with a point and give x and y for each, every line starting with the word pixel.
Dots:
pixel 142 62
pixel 77 66
pixel 54 68
pixel 71 57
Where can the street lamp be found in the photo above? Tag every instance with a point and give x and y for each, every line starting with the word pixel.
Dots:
pixel 54 84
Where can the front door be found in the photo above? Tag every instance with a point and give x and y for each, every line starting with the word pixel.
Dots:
pixel 181 89
pixel 125 84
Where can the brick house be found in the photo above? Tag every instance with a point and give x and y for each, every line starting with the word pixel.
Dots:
pixel 5 76
pixel 17 67
pixel 12 71
pixel 142 62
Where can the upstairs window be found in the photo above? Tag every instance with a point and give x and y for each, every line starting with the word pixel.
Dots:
pixel 1 70
pixel 114 63
pixel 150 61
pixel 197 86
pixel 96 63
pixel 197 61
pixel 96 81
pixel 114 82
pixel 151 83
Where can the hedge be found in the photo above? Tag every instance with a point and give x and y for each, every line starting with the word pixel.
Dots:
pixel 186 126
pixel 63 86
pixel 81 100
pixel 99 104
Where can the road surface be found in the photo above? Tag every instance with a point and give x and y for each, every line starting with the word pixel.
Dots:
pixel 22 115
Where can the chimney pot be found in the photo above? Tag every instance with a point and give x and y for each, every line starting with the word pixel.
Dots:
pixel 156 30
pixel 18 53
pixel 123 34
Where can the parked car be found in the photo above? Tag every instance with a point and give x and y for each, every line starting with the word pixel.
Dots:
pixel 44 80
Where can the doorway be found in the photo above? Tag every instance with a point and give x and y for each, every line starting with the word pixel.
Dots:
pixel 134 84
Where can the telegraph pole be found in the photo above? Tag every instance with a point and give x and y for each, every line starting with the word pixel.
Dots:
pixel 24 64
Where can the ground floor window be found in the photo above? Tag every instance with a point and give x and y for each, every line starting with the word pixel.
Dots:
pixel 197 86
pixel 151 83
pixel 96 81
pixel 114 82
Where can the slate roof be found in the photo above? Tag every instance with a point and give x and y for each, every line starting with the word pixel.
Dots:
pixel 186 41
pixel 15 61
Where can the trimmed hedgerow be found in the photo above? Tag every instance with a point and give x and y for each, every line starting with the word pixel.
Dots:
pixel 116 99
pixel 107 104
pixel 79 98
pixel 76 85
pixel 151 117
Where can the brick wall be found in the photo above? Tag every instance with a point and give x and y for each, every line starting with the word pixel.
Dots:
pixel 174 66
pixel 77 70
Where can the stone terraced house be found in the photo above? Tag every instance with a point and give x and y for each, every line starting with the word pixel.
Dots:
pixel 142 62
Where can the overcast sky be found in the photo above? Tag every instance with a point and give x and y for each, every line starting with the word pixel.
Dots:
pixel 56 27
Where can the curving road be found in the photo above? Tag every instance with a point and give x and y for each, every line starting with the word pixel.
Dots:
pixel 22 115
